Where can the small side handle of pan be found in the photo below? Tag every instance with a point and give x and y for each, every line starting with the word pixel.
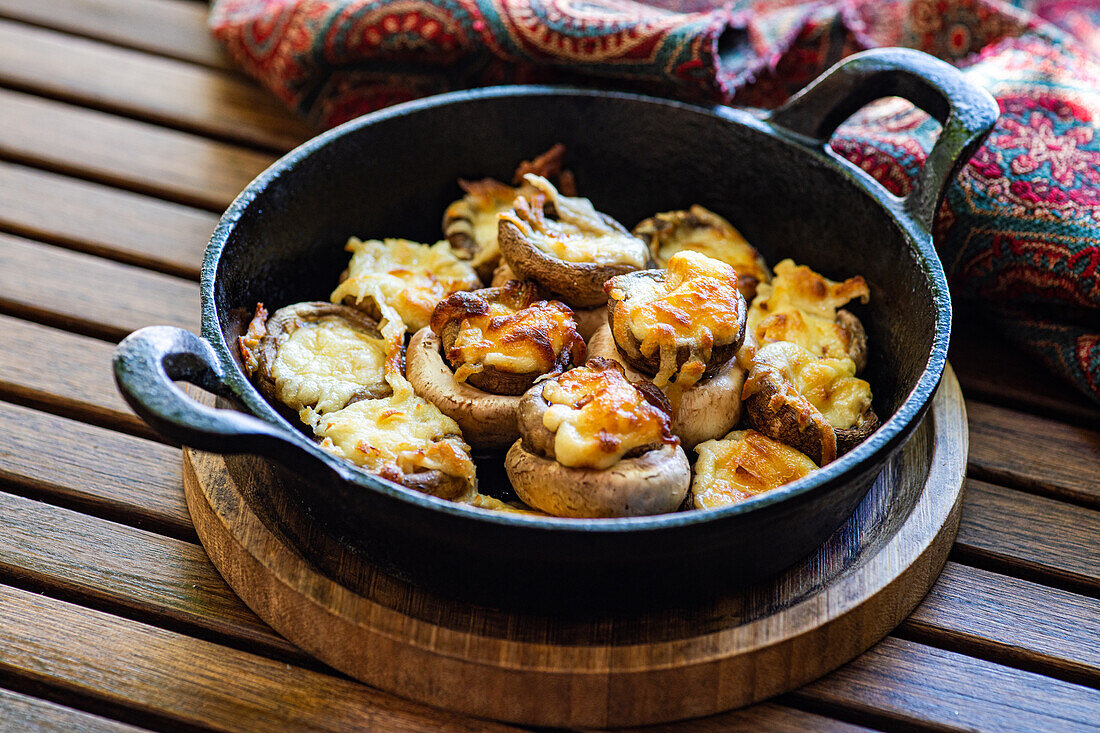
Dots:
pixel 145 365
pixel 966 111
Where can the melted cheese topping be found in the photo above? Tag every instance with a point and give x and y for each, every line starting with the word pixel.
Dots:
pixel 597 416
pixel 741 465
pixel 830 385
pixel 411 277
pixel 396 435
pixel 696 305
pixel 324 363
pixel 578 234
pixel 522 342
pixel 399 434
pixel 716 238
pixel 800 306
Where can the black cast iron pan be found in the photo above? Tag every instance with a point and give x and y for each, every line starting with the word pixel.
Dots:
pixel 393 172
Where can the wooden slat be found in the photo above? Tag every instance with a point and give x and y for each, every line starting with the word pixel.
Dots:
pixel 173 28
pixel 175 679
pixel 902 683
pixel 166 91
pixel 92 469
pixel 126 153
pixel 1033 453
pixel 64 373
pixel 1049 539
pixel 104 221
pixel 21 712
pixel 89 294
pixel 158 578
pixel 1013 621
pixel 763 717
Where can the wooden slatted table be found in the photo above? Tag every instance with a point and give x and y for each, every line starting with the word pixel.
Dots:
pixel 124 132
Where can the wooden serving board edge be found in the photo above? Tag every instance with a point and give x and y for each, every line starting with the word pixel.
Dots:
pixel 537 684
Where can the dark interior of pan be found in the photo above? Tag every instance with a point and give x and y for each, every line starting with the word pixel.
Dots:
pixel 393 177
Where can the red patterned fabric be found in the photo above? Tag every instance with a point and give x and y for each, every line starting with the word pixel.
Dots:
pixel 1019 232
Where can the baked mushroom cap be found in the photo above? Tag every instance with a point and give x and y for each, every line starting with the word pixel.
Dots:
pixel 776 408
pixel 512 325
pixel 632 465
pixel 572 250
pixel 708 409
pixel 700 230
pixel 345 379
pixel 470 224
pixel 691 313
pixel 654 482
pixel 488 421
pixel 743 464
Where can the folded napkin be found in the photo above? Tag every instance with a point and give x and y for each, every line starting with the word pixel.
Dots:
pixel 1019 231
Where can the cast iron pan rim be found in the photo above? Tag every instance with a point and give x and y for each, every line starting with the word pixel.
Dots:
pixel 889 434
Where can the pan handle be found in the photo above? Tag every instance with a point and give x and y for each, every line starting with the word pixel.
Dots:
pixel 145 365
pixel 966 111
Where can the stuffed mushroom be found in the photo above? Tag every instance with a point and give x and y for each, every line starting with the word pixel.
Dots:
pixel 814 404
pixel 803 307
pixel 411 278
pixel 742 465
pixel 484 349
pixel 701 230
pixel 568 247
pixel 315 355
pixel 595 444
pixel 470 224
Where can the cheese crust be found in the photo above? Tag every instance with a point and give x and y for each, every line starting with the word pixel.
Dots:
pixel 694 306
pixel 410 277
pixel 742 465
pixel 508 329
pixel 597 416
pixel 800 306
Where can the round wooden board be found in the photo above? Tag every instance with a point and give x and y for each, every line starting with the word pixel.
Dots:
pixel 626 669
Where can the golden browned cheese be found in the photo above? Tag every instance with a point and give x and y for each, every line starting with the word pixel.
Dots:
pixel 741 465
pixel 828 384
pixel 800 306
pixel 597 416
pixel 701 230
pixel 696 305
pixel 399 434
pixel 411 277
pixel 577 234
pixel 522 342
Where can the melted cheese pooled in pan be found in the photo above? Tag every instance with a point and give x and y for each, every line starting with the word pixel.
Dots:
pixel 830 385
pixel 578 234
pixel 411 277
pixel 597 416
pixel 697 305
pixel 705 232
pixel 800 306
pixel 741 465
pixel 324 363
pixel 522 342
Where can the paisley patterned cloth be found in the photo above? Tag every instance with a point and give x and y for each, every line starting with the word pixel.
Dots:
pixel 1019 231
